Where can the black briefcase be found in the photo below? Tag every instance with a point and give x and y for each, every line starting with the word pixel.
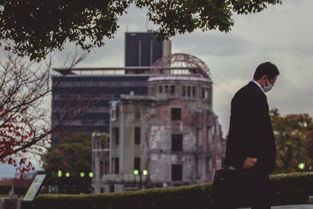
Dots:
pixel 226 188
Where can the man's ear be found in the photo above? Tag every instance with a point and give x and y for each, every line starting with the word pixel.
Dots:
pixel 262 80
pixel 264 77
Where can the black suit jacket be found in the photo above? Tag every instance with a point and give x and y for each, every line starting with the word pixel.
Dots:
pixel 250 131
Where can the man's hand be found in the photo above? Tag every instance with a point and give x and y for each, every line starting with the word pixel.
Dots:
pixel 249 162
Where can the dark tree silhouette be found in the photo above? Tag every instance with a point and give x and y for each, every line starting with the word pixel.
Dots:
pixel 38 27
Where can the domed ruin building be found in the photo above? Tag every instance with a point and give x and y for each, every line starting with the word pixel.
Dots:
pixel 169 137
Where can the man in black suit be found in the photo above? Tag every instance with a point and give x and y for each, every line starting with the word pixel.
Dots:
pixel 251 146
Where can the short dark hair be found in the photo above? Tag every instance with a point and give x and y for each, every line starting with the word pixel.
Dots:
pixel 266 68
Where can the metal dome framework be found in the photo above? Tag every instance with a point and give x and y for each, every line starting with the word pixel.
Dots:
pixel 181 63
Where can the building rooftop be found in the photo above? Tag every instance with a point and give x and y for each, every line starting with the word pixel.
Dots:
pixel 120 70
pixel 192 77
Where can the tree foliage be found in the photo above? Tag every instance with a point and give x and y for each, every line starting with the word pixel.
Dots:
pixel 309 146
pixel 25 124
pixel 37 27
pixel 293 133
pixel 73 155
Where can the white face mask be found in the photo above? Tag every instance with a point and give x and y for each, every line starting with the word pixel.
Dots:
pixel 268 87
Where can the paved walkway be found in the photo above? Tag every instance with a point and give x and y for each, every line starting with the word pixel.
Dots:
pixel 294 207
pixel 309 206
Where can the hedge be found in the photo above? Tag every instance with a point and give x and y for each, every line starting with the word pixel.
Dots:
pixel 5 189
pixel 293 188
pixel 20 190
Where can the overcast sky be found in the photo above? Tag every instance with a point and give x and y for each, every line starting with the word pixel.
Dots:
pixel 281 34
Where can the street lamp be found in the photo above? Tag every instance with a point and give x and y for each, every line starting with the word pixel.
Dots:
pixel 140 173
pixel 136 172
pixel 59 173
pixel 145 172
pixel 301 166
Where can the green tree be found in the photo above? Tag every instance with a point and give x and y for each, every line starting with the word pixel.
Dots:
pixel 71 155
pixel 292 134
pixel 309 148
pixel 38 27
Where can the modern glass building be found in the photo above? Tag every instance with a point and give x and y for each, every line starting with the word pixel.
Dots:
pixel 143 49
pixel 88 92
pixel 89 96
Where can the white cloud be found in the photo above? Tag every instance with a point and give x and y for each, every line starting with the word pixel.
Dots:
pixel 281 34
pixel 211 43
pixel 7 171
pixel 230 87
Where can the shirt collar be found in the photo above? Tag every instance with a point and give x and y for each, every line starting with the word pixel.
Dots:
pixel 258 85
